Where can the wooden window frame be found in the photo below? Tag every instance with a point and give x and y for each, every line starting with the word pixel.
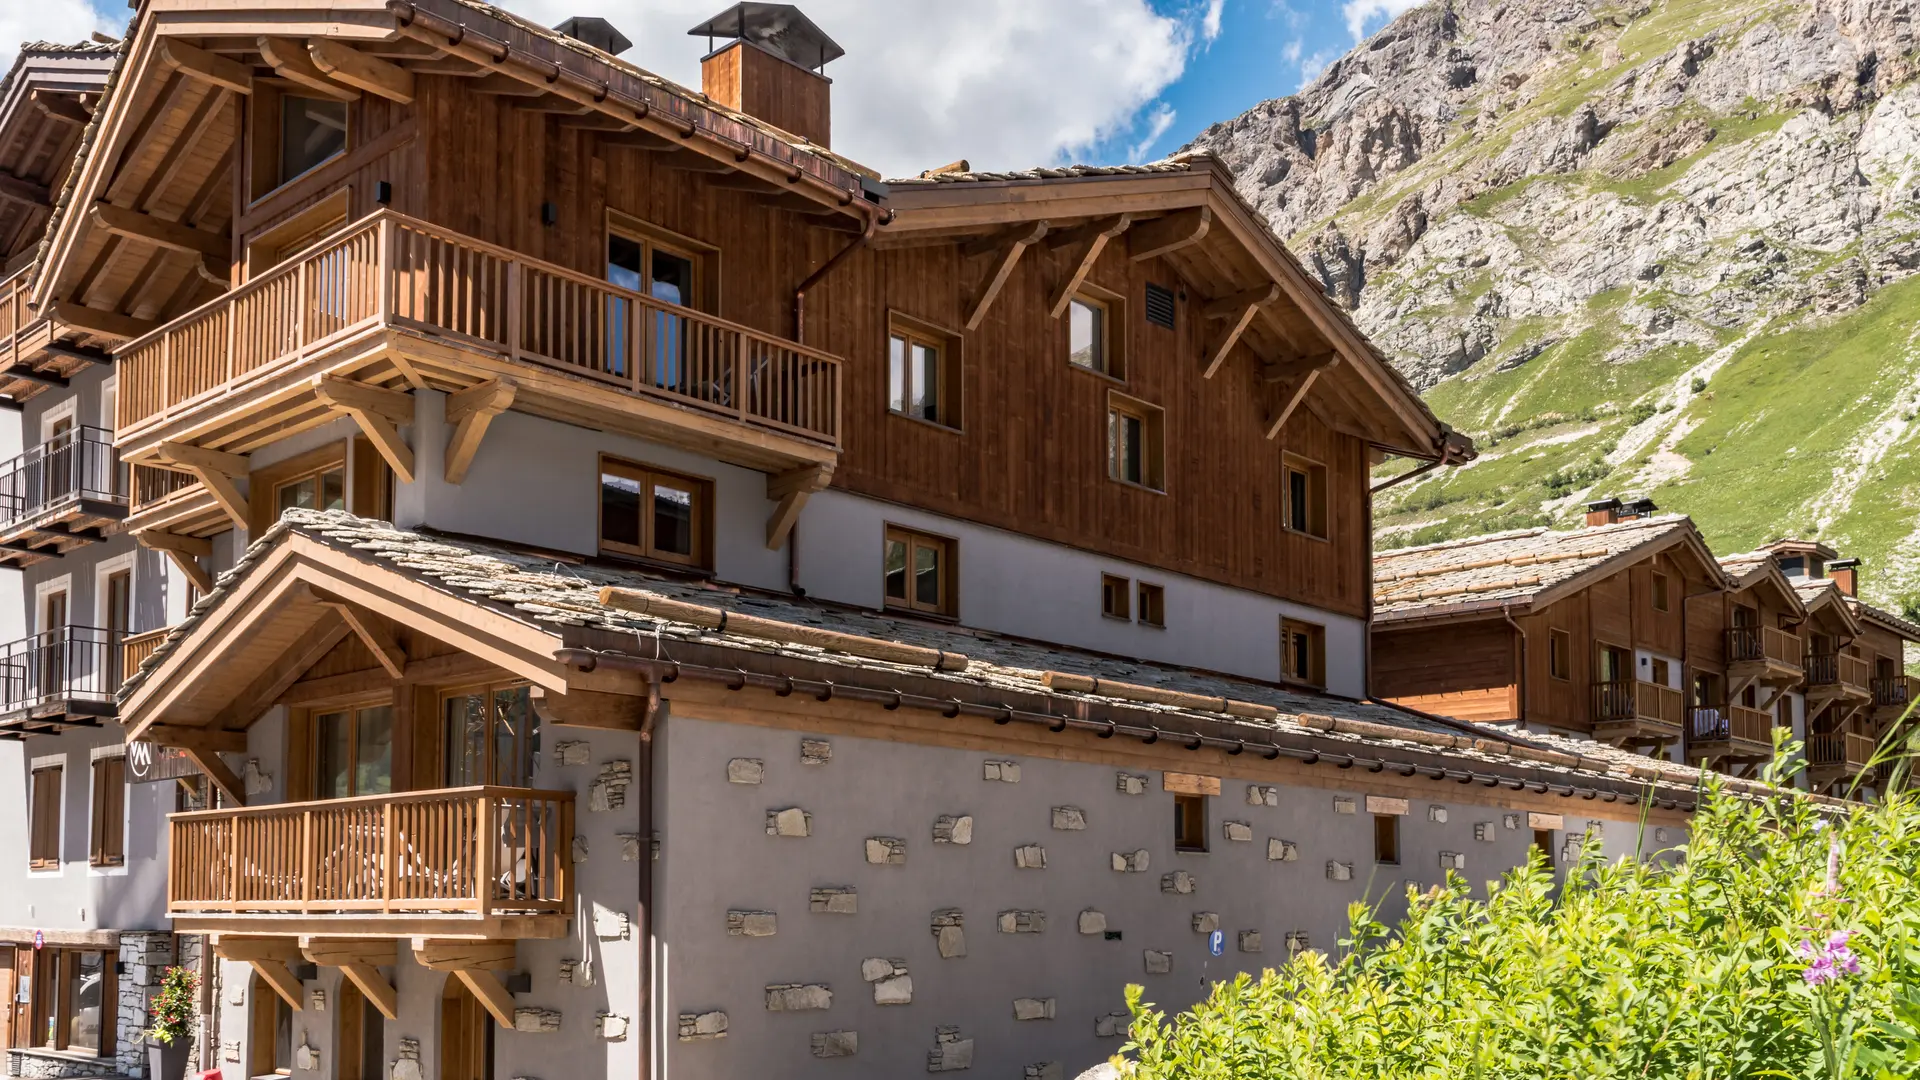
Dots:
pixel 949 571
pixel 1153 433
pixel 263 1029
pixel 1386 839
pixel 1316 635
pixel 264 125
pixel 1543 843
pixel 1660 592
pixel 107 823
pixel 951 364
pixel 43 816
pixel 487 689
pixel 352 707
pixel 1113 332
pixel 1655 666
pixel 647 476
pixel 1151 605
pixel 704 256
pixel 1319 515
pixel 1600 648
pixel 272 246
pixel 1190 823
pixel 1559 648
pixel 1116 598
pixel 50 993
pixel 264 484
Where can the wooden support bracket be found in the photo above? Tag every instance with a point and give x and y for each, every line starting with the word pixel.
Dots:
pixel 1088 242
pixel 97 321
pixel 224 778
pixel 349 65
pixel 791 491
pixel 1170 233
pixel 121 221
pixel 60 107
pixel 470 412
pixel 1290 399
pixel 359 960
pixel 217 470
pixel 276 974
pixel 197 63
pixel 455 954
pixel 1239 311
pixel 247 948
pixel 204 740
pixel 376 410
pixel 1006 248
pixel 374 631
pixel 493 996
pixel 289 59
pixel 186 552
pixel 591 709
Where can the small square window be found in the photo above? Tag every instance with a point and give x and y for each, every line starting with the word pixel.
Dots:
pixel 1660 598
pixel 1135 442
pixel 1087 334
pixel 1386 839
pixel 923 373
pixel 919 572
pixel 1559 654
pixel 1190 822
pixel 1303 648
pixel 654 514
pixel 1114 597
pixel 1153 605
pixel 1305 496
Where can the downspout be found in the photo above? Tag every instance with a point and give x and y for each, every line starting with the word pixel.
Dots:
pixel 1506 612
pixel 875 219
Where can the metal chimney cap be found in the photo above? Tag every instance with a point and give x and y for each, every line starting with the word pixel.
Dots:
pixel 781 29
pixel 596 32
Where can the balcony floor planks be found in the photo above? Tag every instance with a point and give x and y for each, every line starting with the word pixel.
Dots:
pixel 375 925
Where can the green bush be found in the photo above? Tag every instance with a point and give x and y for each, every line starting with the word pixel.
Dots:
pixel 1783 943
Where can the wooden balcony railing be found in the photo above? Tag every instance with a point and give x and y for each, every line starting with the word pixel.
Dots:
pixel 153 485
pixel 1716 724
pixel 387 270
pixel 468 851
pixel 1823 669
pixel 1762 643
pixel 1628 700
pixel 1840 749
pixel 1897 692
pixel 14 316
pixel 135 648
pixel 1855 672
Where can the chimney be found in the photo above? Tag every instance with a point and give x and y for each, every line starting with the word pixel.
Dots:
pixel 596 32
pixel 1610 511
pixel 770 67
pixel 1846 575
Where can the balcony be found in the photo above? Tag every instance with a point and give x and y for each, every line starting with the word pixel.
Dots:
pixel 1628 712
pixel 391 302
pixel 135 648
pixel 59 495
pixel 32 354
pixel 1733 733
pixel 1766 653
pixel 1893 696
pixel 1837 755
pixel 477 861
pixel 60 678
pixel 1836 677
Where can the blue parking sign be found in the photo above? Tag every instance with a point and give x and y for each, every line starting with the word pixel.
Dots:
pixel 1217 942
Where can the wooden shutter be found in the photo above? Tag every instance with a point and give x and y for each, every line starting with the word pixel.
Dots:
pixel 44 843
pixel 107 837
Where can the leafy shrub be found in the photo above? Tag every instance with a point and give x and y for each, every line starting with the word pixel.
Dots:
pixel 1639 412
pixel 1699 384
pixel 173 1007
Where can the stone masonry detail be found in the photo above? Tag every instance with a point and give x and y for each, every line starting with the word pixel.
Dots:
pixel 752 923
pixel 1239 832
pixel 949 933
pixel 1006 772
pixel 791 821
pixel 1069 818
pixel 1130 783
pixel 746 770
pixel 815 751
pixel 1279 850
pixel 886 851
pixel 1030 857
pixel 1033 1008
pixel 798 997
pixel 1159 962
pixel 891 983
pixel 609 790
pixel 1023 922
pixel 1092 922
pixel 950 1052
pixel 952 829
pixel 832 1044
pixel 834 900
pixel 1130 862
pixel 696 1027
pixel 1263 795
pixel 1206 922
pixel 1178 883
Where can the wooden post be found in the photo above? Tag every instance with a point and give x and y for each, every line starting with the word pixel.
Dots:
pixel 166 375
pixel 233 863
pixel 563 854
pixel 389 870
pixel 488 845
pixel 383 267
pixel 299 310
pixel 740 375
pixel 307 868
pixel 514 314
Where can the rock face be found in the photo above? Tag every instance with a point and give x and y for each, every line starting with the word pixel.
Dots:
pixel 1584 211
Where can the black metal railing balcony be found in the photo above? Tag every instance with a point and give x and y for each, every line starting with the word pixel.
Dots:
pixel 82 663
pixel 80 465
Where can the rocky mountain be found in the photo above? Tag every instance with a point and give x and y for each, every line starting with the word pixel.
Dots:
pixel 1660 247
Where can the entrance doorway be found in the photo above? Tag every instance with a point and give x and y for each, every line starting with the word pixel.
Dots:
pixel 466 1034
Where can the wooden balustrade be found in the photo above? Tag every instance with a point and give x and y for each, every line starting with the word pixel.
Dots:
pixel 1854 671
pixel 387 270
pixel 1897 692
pixel 1720 724
pixel 135 648
pixel 1630 700
pixel 1837 749
pixel 14 316
pixel 1662 704
pixel 1762 643
pixel 152 485
pixel 1750 725
pixel 473 850
pixel 1823 669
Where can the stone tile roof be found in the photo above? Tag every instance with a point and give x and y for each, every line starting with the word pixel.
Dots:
pixel 1904 627
pixel 1742 566
pixel 1510 568
pixel 1178 163
pixel 540 591
pixel 62 203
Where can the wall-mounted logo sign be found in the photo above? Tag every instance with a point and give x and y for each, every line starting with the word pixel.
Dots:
pixel 39 939
pixel 148 763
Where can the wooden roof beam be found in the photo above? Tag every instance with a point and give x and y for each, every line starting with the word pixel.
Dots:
pixel 223 777
pixel 168 234
pixel 1007 247
pixel 344 63
pixel 290 61
pixel 185 553
pixel 21 190
pixel 60 108
pixel 197 63
pixel 375 632
pixel 1179 229
pixel 470 412
pixel 1088 242
pixel 377 410
pixel 503 85
pixel 1239 310
pixel 100 322
pixel 359 961
pixel 790 490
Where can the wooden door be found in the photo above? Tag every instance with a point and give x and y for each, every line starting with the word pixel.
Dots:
pixel 466 1034
pixel 21 1020
pixel 8 992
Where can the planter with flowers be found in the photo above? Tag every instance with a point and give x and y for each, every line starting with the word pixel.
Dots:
pixel 169 1038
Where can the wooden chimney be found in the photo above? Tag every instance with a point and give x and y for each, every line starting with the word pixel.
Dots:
pixel 771 69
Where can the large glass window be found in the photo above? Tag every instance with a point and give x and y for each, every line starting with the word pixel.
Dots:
pixel 670 276
pixel 85 988
pixel 311 131
pixel 653 514
pixel 325 490
pixel 492 737
pixel 353 752
pixel 918 571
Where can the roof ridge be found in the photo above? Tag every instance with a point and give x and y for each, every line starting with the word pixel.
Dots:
pixel 1462 542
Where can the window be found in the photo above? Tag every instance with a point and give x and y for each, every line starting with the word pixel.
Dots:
pixel 1659 591
pixel 1087 334
pixel 43 848
pixel 1160 306
pixel 271 1031
pixel 53 643
pixel 1302 652
pixel 923 372
pixel 85 981
pixel 1153 605
pixel 920 572
pixel 1114 597
pixel 353 752
pixel 672 271
pixel 1190 823
pixel 1306 496
pixel 1793 565
pixel 106 839
pixel 1662 673
pixel 1560 654
pixel 312 130
pixel 654 514
pixel 1134 442
pixel 1706 690
pixel 1386 839
pixel 492 736
pixel 116 607
pixel 271 247
pixel 65 1000
pixel 1543 843
pixel 323 489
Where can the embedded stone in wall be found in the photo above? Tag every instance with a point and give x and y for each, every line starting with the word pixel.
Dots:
pixel 1249 941
pixel 306 1057
pixel 1179 883
pixel 832 1044
pixel 886 851
pixel 745 770
pixel 1263 795
pixel 576 972
pixel 1343 804
pixel 406 1069
pixel 876 968
pixel 949 934
pixel 1660 836
pixel 1381 804
pixel 609 790
pixel 1206 922
pixel 1130 783
pixel 834 900
pixel 1595 826
pixel 815 751
pixel 1483 831
pixel 1069 818
pixel 317 999
pixel 1279 850
pixel 255 781
pixel 752 923
pixel 950 1052
pixel 1130 862
pixel 791 821
pixel 1511 821
pixel 896 990
pixel 952 829
pixel 579 849
pixel 229 1050
pixel 1030 857
pixel 699 1027
pixel 1437 814
pixel 798 997
pixel 1111 1026
pixel 1022 922
pixel 1044 1070
pixel 1239 832
pixel 573 752
pixel 1033 1008
pixel 1006 772
pixel 629 846
pixel 1159 962
pixel 1571 850
pixel 611 924
pixel 1452 860
pixel 536 1021
pixel 1092 922
pixel 610 1027
pixel 1297 942
pixel 237 992
pixel 1339 871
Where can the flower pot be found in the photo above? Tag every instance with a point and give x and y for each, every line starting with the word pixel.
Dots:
pixel 167 1062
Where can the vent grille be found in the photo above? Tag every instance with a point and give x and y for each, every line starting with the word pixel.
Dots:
pixel 1160 305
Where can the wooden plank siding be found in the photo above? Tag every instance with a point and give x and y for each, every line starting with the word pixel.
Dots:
pixel 1467 671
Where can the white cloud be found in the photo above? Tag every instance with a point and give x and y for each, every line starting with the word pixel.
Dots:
pixel 1157 125
pixel 1314 64
pixel 1291 54
pixel 1360 12
pixel 1210 22
pixel 60 21
pixel 1002 83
